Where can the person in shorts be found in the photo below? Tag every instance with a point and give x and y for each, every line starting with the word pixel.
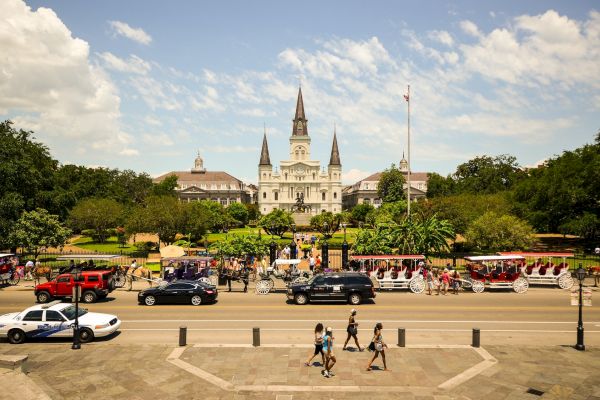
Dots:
pixel 352 330
pixel 330 359
pixel 429 280
pixel 445 281
pixel 378 346
pixel 318 345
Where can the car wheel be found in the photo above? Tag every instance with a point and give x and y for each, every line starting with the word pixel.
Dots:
pixel 16 336
pixel 89 297
pixel 196 300
pixel 150 300
pixel 301 298
pixel 43 297
pixel 85 335
pixel 355 299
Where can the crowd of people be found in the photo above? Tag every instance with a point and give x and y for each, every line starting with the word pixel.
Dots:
pixel 323 341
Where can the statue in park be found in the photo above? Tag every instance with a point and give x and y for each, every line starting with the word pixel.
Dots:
pixel 300 206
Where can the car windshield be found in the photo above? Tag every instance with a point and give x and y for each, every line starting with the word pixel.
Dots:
pixel 69 312
pixel 312 279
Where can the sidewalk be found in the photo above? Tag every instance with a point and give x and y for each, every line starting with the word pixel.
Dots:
pixel 108 371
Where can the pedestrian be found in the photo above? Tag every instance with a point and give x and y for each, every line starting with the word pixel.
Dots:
pixel 329 356
pixel 352 330
pixel 429 280
pixel 318 345
pixel 378 346
pixel 228 273
pixel 318 263
pixel 29 265
pixel 455 281
pixel 311 263
pixel 445 281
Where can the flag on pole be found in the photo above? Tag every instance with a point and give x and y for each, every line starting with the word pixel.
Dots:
pixel 406 97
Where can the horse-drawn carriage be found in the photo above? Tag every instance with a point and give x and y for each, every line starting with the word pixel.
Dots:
pixel 496 272
pixel 189 268
pixel 543 271
pixel 290 275
pixel 394 271
pixel 8 273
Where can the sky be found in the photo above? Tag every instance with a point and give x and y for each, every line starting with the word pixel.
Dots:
pixel 146 85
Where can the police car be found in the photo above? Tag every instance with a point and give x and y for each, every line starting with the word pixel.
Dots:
pixel 56 319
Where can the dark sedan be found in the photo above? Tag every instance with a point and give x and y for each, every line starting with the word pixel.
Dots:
pixel 179 292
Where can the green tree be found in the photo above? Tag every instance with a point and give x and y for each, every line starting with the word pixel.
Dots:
pixel 239 213
pixel 253 212
pixel 359 213
pixel 217 218
pixel 197 217
pixel 327 223
pixel 391 185
pixel 373 241
pixel 38 229
pixel 277 222
pixel 97 214
pixel 485 174
pixel 242 246
pixel 166 187
pixel 26 170
pixel 165 216
pixel 586 226
pixel 438 186
pixel 493 232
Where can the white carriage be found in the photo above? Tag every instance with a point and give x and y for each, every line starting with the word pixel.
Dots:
pixel 394 271
pixel 544 271
pixel 496 272
pixel 290 275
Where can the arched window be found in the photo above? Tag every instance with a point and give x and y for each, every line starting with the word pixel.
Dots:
pixel 286 176
pixel 313 176
pixel 276 196
pixel 323 196
pixel 335 195
pixel 264 175
pixel 264 195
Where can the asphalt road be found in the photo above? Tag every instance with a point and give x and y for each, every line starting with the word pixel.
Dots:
pixel 542 316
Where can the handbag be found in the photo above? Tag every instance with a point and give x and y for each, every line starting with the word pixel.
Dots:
pixel 372 346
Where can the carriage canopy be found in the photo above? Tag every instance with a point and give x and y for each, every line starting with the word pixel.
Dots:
pixel 495 258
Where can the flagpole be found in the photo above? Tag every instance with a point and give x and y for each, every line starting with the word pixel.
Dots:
pixel 408 176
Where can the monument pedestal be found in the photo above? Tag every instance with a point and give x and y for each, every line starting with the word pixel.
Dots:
pixel 302 219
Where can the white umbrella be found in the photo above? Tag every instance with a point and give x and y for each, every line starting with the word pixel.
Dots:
pixel 172 251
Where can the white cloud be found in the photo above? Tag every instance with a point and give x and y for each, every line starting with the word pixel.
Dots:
pixel 49 85
pixel 232 149
pixel 442 37
pixel 129 152
pixel 134 64
pixel 470 28
pixel 135 34
pixel 354 175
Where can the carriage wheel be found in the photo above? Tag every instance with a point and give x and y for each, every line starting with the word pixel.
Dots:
pixel 300 279
pixel 417 285
pixel 14 278
pixel 119 280
pixel 263 287
pixel 213 280
pixel 204 280
pixel 478 286
pixel 271 283
pixel 520 285
pixel 565 281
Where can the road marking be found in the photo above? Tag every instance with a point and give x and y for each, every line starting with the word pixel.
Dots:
pixel 406 321
pixel 288 330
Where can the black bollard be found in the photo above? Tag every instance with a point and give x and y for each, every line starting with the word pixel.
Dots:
pixel 476 337
pixel 182 335
pixel 325 255
pixel 256 337
pixel 401 337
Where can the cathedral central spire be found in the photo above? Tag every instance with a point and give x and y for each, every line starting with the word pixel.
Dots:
pixel 264 154
pixel 300 127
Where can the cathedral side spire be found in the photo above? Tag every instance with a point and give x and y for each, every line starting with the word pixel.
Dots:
pixel 264 154
pixel 335 153
pixel 300 127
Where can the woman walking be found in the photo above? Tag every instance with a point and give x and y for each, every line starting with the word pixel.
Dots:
pixel 352 330
pixel 429 280
pixel 318 345
pixel 329 356
pixel 378 346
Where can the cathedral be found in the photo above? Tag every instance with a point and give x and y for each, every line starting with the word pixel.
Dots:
pixel 300 185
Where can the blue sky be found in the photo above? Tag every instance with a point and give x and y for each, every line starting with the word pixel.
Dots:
pixel 144 85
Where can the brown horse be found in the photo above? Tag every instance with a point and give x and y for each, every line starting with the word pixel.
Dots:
pixel 40 271
pixel 140 272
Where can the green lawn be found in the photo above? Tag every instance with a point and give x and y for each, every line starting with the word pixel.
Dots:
pixel 110 246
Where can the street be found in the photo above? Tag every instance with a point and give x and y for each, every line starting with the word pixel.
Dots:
pixel 504 317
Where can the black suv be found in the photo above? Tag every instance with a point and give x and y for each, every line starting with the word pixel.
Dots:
pixel 352 287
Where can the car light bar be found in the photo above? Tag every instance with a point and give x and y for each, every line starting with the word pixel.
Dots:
pixel 52 303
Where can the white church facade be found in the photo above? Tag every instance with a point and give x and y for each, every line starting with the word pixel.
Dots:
pixel 300 179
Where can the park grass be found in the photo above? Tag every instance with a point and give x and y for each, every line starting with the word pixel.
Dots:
pixel 110 246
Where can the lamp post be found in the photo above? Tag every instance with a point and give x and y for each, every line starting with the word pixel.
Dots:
pixel 75 273
pixel 272 247
pixel 325 246
pixel 293 244
pixel 580 273
pixel 344 249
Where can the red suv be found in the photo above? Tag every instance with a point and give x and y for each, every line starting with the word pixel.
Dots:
pixel 93 285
